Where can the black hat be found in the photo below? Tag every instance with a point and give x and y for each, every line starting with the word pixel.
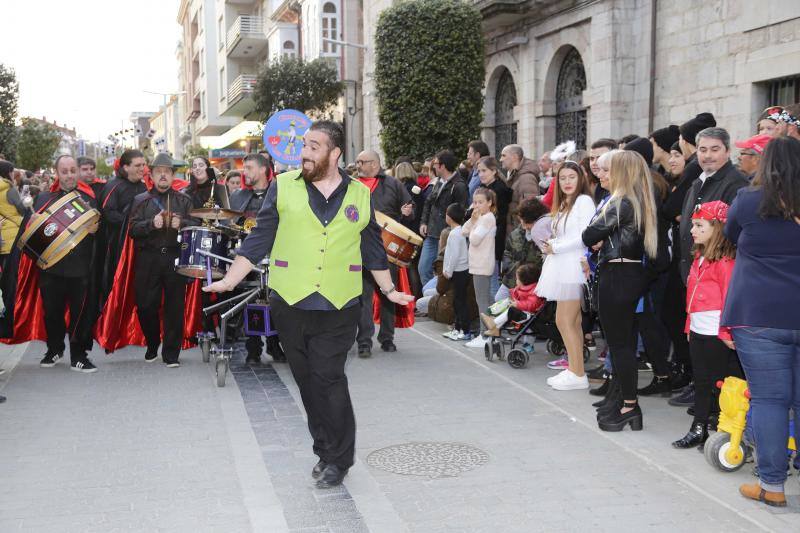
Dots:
pixel 665 137
pixel 163 159
pixel 691 128
pixel 643 147
pixel 676 147
pixel 6 169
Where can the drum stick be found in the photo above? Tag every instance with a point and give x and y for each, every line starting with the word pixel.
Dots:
pixel 208 270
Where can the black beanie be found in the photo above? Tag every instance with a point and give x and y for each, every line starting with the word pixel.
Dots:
pixel 643 147
pixel 691 128
pixel 665 137
pixel 6 169
pixel 676 147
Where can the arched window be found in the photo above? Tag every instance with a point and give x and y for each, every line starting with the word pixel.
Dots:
pixel 330 29
pixel 505 127
pixel 570 111
pixel 289 49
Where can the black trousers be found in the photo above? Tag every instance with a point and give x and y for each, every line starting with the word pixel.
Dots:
pixel 673 314
pixel 654 336
pixel 366 326
pixel 58 293
pixel 316 345
pixel 156 279
pixel 620 285
pixel 461 281
pixel 711 361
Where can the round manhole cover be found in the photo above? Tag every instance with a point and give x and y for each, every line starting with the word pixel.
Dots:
pixel 430 459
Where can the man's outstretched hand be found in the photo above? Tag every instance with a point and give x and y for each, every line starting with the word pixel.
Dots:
pixel 400 298
pixel 218 286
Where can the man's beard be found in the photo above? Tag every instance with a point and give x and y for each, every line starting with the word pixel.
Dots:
pixel 319 171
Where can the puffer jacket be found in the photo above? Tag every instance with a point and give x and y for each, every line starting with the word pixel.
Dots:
pixel 518 251
pixel 526 299
pixel 706 289
pixel 11 211
pixel 615 226
pixel 524 184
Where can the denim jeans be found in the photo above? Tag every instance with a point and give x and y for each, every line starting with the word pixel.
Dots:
pixel 430 249
pixel 494 284
pixel 771 361
pixel 502 293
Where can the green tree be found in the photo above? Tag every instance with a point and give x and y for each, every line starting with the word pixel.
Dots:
pixel 103 169
pixel 194 150
pixel 9 94
pixel 36 145
pixel 429 74
pixel 292 83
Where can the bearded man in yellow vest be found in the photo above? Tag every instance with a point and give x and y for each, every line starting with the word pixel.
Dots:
pixel 318 228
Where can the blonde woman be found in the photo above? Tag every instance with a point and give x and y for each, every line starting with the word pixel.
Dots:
pixel 625 233
pixel 562 278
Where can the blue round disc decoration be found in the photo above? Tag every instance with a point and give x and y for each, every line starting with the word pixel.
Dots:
pixel 283 136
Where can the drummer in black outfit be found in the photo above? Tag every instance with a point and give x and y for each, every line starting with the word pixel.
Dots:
pixel 391 198
pixel 67 282
pixel 156 218
pixel 249 200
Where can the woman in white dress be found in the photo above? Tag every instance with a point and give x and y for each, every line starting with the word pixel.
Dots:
pixel 562 278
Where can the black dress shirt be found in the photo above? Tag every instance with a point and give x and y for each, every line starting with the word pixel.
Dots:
pixel 259 243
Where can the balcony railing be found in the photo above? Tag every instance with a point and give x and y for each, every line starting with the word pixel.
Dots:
pixel 243 86
pixel 245 27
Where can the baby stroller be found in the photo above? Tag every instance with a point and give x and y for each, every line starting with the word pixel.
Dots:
pixel 541 324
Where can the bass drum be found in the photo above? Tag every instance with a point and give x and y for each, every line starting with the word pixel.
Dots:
pixel 194 239
pixel 57 230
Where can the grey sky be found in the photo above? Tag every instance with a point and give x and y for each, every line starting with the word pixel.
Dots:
pixel 86 62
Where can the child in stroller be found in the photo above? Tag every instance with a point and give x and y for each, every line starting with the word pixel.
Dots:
pixel 525 316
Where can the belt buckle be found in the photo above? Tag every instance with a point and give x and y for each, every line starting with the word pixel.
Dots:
pixel 163 249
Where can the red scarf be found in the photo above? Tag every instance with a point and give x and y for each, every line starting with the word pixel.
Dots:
pixel 423 181
pixel 83 187
pixel 371 183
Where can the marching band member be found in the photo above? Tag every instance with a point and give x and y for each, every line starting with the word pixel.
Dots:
pixel 67 282
pixel 156 218
pixel 257 178
pixel 318 227
pixel 391 198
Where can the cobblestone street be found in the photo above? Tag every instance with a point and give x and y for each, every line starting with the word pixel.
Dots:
pixel 139 447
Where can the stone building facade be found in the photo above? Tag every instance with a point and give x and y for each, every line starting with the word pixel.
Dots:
pixel 584 69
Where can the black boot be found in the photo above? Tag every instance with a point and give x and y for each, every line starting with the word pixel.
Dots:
pixel 602 390
pixel 617 421
pixel 698 433
pixel 613 394
pixel 659 386
pixel 685 398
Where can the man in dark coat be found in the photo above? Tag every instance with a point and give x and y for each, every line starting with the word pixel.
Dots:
pixel 450 188
pixel 249 200
pixel 115 203
pixel 391 198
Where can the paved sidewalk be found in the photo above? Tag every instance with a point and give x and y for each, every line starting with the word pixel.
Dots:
pixel 133 447
pixel 139 447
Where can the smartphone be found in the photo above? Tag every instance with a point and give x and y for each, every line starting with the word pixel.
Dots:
pixel 212 176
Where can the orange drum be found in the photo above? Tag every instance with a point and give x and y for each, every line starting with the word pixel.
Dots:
pixel 58 229
pixel 401 244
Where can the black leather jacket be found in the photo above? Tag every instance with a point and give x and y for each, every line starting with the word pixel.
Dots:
pixel 617 229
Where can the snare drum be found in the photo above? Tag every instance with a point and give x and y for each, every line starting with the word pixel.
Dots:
pixel 191 262
pixel 401 244
pixel 58 230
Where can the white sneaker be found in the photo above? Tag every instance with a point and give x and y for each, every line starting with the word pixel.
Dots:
pixel 450 334
pixel 572 382
pixel 557 377
pixel 477 342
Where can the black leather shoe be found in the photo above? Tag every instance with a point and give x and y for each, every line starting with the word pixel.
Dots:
pixel 680 380
pixel 388 346
pixel 2 399
pixel 602 389
pixel 660 386
pixel 685 398
pixel 598 374
pixel 331 476
pixel 364 352
pixel 275 349
pixel 316 472
pixel 617 421
pixel 252 359
pixel 613 394
pixel 698 433
pixel 690 411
